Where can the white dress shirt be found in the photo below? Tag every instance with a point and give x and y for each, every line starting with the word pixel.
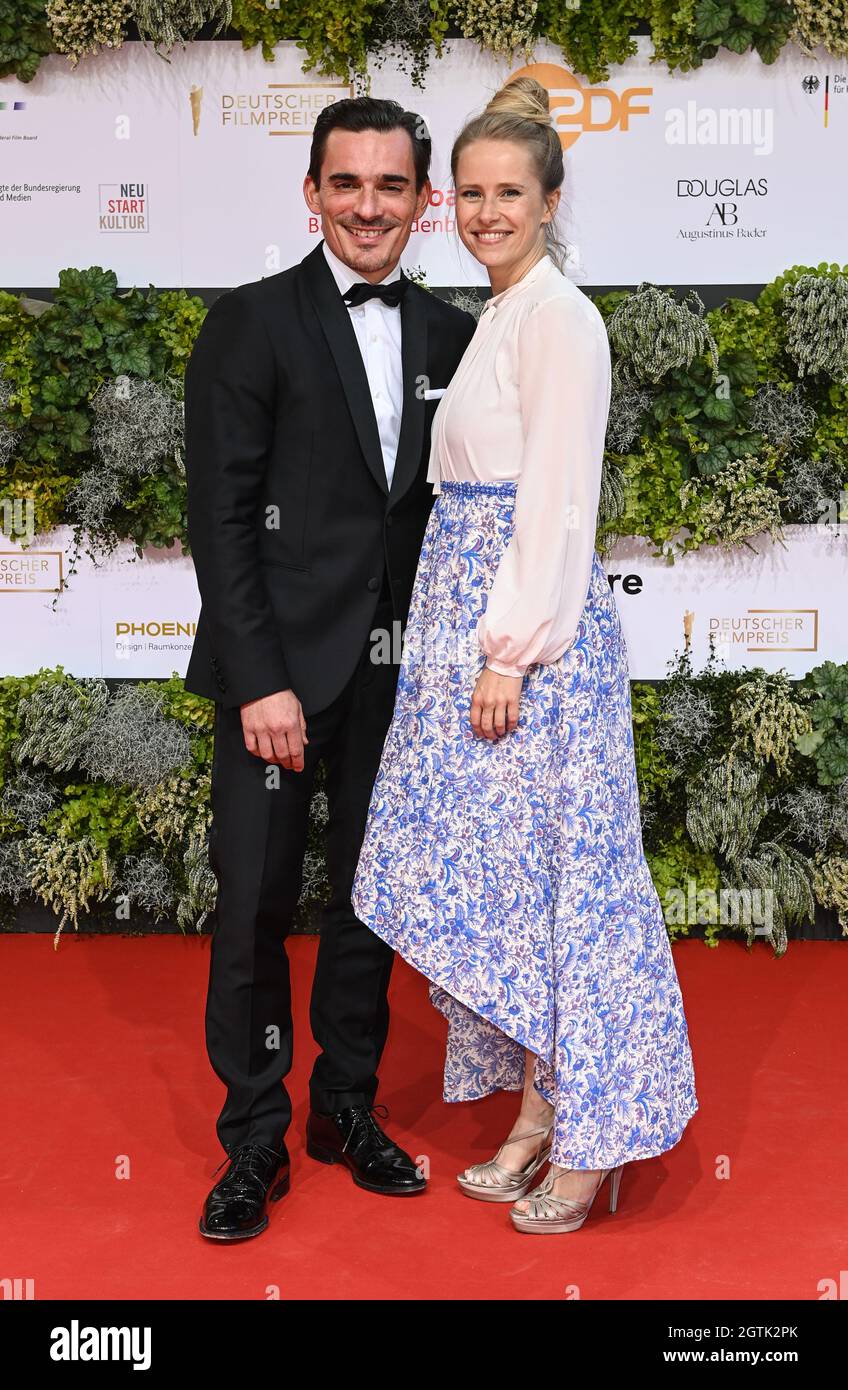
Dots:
pixel 529 401
pixel 378 331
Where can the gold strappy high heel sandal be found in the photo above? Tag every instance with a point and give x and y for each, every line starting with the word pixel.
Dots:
pixel 509 1186
pixel 570 1213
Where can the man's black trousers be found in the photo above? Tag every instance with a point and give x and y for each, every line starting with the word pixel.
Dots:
pixel 256 850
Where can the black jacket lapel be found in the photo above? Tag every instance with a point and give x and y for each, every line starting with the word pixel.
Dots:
pixel 335 321
pixel 413 310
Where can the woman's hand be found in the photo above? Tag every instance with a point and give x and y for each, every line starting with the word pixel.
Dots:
pixel 494 704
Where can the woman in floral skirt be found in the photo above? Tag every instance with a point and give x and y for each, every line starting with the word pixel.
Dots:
pixel 503 853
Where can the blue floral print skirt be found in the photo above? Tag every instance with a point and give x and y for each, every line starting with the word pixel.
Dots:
pixel 512 873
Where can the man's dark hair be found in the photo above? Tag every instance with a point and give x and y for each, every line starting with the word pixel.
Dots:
pixel 371 113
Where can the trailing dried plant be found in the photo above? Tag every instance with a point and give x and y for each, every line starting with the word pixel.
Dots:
pixel 612 498
pixel 93 498
pixel 768 714
pixel 165 23
pixel 144 879
pixel 56 719
pixel 725 805
pixel 653 334
pixel 629 404
pixel 132 742
pixel 814 817
pixel 138 424
pixel 168 810
pixel 783 416
pixel 67 875
pixel 782 878
pixel 821 24
pixel 467 300
pixel 816 312
pixel 811 489
pixel 27 797
pixel 688 720
pixel 14 874
pixel 200 894
pixel 502 26
pixel 830 881
pixel 79 27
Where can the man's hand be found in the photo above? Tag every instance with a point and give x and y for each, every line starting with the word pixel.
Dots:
pixel 494 704
pixel 275 730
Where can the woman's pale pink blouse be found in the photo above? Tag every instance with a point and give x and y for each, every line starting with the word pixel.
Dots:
pixel 529 401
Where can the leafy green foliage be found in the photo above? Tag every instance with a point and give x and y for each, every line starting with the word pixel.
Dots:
pixel 259 23
pixel 54 364
pixel 25 37
pixel 104 813
pixel 698 472
pixel 741 25
pixel 654 773
pixel 727 784
pixel 333 34
pixel 707 421
pixel 337 35
pixel 830 439
pixel 754 329
pixel 592 37
pixel 653 478
pixel 688 33
pixel 699 463
pixel 87 334
pixel 680 872
pixel 695 734
pixel 675 42
pixel 827 742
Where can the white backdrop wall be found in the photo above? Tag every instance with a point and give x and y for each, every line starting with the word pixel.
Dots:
pixel 189 172
pixel 781 607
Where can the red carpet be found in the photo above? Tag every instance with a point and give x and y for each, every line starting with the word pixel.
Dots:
pixel 104 1057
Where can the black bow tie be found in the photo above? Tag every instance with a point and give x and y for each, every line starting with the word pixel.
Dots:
pixel 390 294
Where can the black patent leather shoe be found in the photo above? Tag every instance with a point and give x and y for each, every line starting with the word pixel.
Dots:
pixel 353 1137
pixel 236 1207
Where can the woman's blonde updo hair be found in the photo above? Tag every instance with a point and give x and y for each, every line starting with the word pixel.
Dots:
pixel 521 111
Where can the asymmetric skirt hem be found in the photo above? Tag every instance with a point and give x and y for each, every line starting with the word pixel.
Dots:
pixel 511 873
pixel 486 1088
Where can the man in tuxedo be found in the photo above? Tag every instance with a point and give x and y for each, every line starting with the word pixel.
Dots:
pixel 309 398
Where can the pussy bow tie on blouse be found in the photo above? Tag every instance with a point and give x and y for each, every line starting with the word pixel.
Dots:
pixel 390 294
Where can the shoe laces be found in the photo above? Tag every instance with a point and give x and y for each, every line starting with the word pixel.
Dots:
pixel 246 1162
pixel 362 1121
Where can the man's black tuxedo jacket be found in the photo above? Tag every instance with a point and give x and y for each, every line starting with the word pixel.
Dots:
pixel 280 425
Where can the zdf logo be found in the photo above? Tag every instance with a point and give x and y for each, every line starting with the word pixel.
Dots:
pixel 576 109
